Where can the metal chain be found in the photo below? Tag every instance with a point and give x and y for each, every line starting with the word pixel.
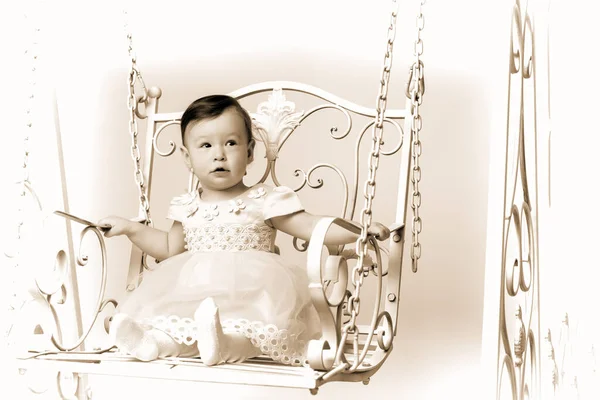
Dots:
pixel 132 104
pixel 414 91
pixel 359 271
pixel 549 105
pixel 31 53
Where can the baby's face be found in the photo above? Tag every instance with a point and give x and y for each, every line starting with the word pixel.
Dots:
pixel 217 150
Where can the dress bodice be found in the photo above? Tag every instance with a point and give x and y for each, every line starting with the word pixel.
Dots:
pixel 239 224
pixel 229 237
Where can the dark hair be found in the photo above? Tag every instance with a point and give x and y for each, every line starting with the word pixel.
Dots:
pixel 212 106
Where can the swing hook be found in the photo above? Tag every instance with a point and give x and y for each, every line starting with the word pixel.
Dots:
pixel 418 81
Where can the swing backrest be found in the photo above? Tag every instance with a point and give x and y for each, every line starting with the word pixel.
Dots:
pixel 296 129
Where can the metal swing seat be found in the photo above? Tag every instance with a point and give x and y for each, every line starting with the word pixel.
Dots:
pixel 347 350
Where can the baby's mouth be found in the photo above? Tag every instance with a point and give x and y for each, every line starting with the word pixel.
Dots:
pixel 219 169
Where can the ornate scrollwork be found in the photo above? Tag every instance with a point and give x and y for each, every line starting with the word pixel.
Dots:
pixel 50 290
pixel 383 152
pixel 82 260
pixel 518 356
pixel 329 282
pixel 307 180
pixel 159 130
pixel 301 247
pixel 333 129
pixel 277 118
pixel 520 339
pixel 275 121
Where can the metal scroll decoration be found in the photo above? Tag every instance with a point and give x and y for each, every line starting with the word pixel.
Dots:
pixel 277 119
pixel 518 355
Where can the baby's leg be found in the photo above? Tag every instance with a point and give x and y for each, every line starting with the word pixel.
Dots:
pixel 239 348
pixel 144 344
pixel 215 346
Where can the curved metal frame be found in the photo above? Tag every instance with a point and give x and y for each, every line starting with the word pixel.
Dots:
pixel 519 272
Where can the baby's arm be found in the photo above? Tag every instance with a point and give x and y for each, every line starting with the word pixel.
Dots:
pixel 152 241
pixel 302 224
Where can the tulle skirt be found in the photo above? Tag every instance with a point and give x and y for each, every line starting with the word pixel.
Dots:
pixel 257 292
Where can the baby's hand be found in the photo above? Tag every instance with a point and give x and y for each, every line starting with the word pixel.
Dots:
pixel 119 226
pixel 380 231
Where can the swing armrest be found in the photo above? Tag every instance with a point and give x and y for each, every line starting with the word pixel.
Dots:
pixel 328 287
pixel 103 228
pixel 350 225
pixel 321 353
pixel 396 227
pixel 355 227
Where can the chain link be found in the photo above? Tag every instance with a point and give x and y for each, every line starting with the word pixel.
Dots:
pixel 31 53
pixel 132 105
pixel 360 271
pixel 549 76
pixel 15 302
pixel 414 91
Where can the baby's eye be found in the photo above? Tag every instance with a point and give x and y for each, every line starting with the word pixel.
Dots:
pixel 231 143
pixel 205 145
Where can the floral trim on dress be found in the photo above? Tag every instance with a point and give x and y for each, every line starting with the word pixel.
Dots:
pixel 211 212
pixel 182 330
pixel 281 345
pixel 257 193
pixel 235 206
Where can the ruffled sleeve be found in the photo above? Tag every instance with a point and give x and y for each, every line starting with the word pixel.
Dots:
pixel 280 201
pixel 181 207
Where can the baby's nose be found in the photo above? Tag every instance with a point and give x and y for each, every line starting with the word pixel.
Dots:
pixel 219 154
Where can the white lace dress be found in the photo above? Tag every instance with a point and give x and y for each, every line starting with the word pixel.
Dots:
pixel 230 258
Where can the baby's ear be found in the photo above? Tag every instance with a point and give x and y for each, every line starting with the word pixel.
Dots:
pixel 186 157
